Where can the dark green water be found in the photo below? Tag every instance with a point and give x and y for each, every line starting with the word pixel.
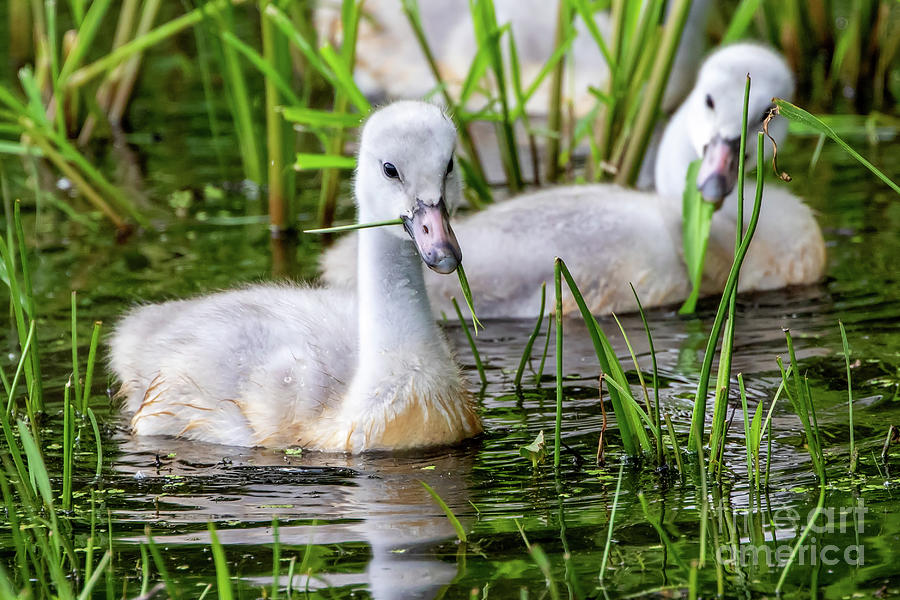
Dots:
pixel 365 523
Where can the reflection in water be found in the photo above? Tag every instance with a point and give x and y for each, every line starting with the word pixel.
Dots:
pixel 374 500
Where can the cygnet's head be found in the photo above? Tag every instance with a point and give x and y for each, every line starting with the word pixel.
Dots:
pixel 716 110
pixel 406 169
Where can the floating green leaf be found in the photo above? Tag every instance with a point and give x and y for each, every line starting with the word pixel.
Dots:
pixel 536 450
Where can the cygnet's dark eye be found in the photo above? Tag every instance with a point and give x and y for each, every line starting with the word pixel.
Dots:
pixel 390 171
pixel 765 113
pixel 709 102
pixel 450 166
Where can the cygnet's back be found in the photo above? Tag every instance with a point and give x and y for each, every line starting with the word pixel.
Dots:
pixel 246 347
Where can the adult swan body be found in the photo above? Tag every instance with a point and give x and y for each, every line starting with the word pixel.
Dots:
pixel 324 369
pixel 610 236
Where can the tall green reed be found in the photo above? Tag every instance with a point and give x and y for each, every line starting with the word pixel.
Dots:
pixel 630 417
pixel 699 412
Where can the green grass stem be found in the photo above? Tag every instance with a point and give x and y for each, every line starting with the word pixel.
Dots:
pixel 812 519
pixel 846 346
pixel 471 340
pixel 612 520
pixel 276 558
pixel 89 371
pixel 649 108
pixel 697 421
pixel 634 437
pixel 84 74
pixel 98 441
pixel 676 448
pixel 76 376
pixel 467 296
pixel 171 589
pixel 558 311
pixel 354 226
pixel 68 446
pixel 457 526
pixel 797 114
pixel 656 412
pixel 223 577
pixel 526 353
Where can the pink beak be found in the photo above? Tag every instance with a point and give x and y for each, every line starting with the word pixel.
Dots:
pixel 718 171
pixel 429 227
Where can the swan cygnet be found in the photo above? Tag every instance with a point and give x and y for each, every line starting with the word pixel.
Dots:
pixel 611 236
pixel 279 365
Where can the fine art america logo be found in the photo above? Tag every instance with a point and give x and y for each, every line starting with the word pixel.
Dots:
pixel 812 551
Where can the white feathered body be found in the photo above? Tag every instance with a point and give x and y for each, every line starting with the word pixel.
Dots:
pixel 272 366
pixel 609 237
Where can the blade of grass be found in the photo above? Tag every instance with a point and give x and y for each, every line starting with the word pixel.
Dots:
pixel 89 372
pixel 76 378
pixel 634 437
pixel 457 526
pixel 171 589
pixel 612 521
pixel 558 310
pixel 308 162
pixel 354 226
pixel 139 44
pixel 699 413
pixel 467 295
pixel 526 353
pixel 697 216
pixel 795 113
pixel 846 346
pixel 656 413
pixel 223 578
pixel 471 340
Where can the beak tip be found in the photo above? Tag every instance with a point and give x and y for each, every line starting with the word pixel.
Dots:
pixel 715 188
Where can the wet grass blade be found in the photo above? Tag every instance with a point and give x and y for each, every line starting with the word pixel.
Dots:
pixel 557 309
pixel 634 437
pixel 457 526
pixel 223 578
pixel 89 371
pixel 526 353
pixel 812 519
pixel 68 446
pixel 797 114
pixel 89 585
pixel 663 536
pixel 276 558
pixel 467 295
pixel 656 414
pixel 98 441
pixel 76 377
pixel 471 340
pixel 171 589
pixel 749 442
pixel 676 448
pixel 846 346
pixel 612 520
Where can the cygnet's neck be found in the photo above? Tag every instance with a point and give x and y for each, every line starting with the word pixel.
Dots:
pixel 674 156
pixel 394 311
